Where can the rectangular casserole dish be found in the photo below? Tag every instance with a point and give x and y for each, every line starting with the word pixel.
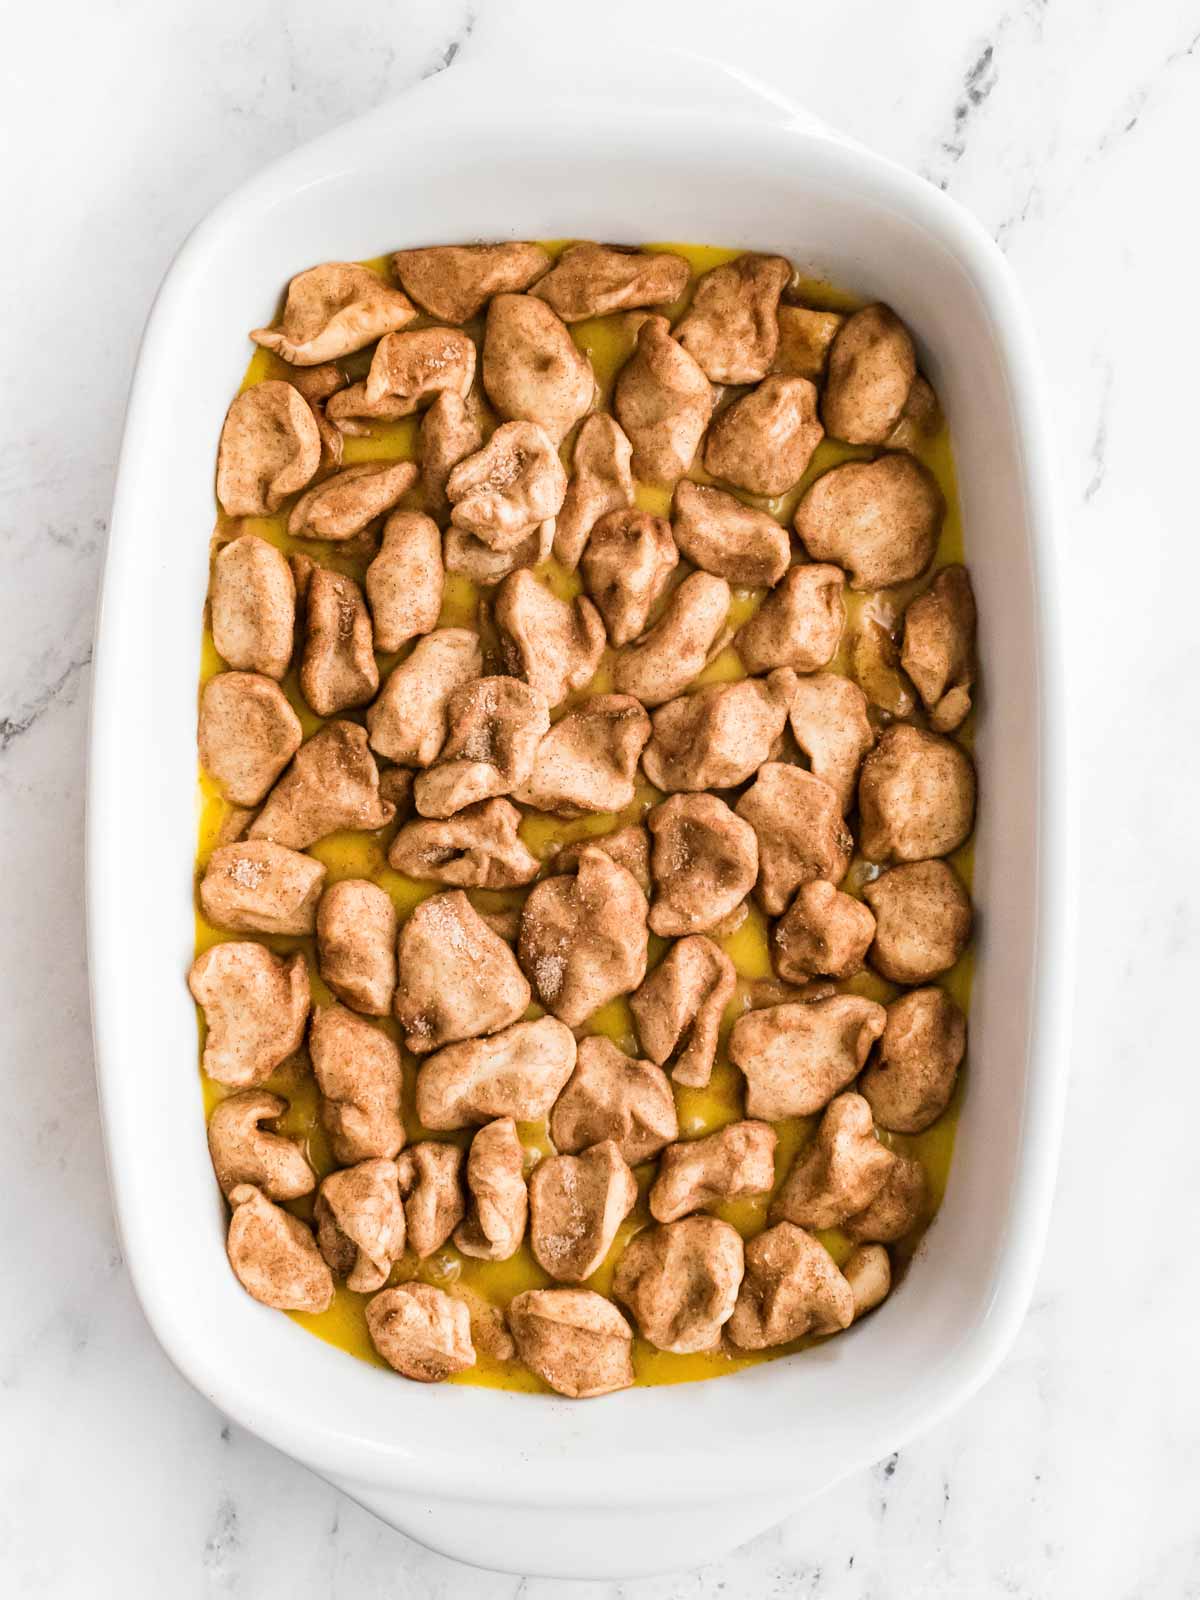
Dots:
pixel 648 1479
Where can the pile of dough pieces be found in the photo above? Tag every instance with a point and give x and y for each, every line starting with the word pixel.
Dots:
pixel 769 785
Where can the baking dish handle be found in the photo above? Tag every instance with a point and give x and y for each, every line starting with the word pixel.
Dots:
pixel 669 80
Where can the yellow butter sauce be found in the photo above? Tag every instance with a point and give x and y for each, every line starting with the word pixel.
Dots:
pixel 608 342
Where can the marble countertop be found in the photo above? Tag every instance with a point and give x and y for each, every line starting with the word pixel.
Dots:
pixel 1069 128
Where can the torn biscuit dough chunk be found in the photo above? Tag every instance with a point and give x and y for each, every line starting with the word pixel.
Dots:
pixel 678 1008
pixel 451 430
pixel 594 280
pixel 405 581
pixel 879 519
pixel 318 385
pixel 415 367
pixel 258 887
pixel 396 786
pixel 252 603
pixel 360 1224
pixel 909 1083
pixel 663 401
pixel 345 505
pixel 805 336
pixel 703 863
pixel 939 647
pixel 488 1327
pixel 800 829
pixel 270 448
pixel 430 1176
pixel 916 796
pixel 338 669
pixel 872 365
pixel 680 1280
pixel 243 1151
pixel 519 1073
pixel 553 645
pixel 792 1288
pixel 763 443
pixel 587 762
pixel 613 1096
pixel 796 1057
pixel 823 934
pixel 408 721
pixel 875 667
pixel 248 733
pixel 719 534
pixel 576 1205
pixel 496 725
pixel 628 847
pixel 332 311
pixel 626 564
pixel 799 623
pixel 351 414
pixel 922 921
pixel 467 556
pixel 506 490
pixel 718 736
pixel 302 567
pixel 274 1255
pixel 920 420
pixel 868 1271
pixel 456 978
pixel 477 848
pixel 897 1208
pixel 762 992
pixel 583 938
pixel 601 481
pixel 662 663
pixel 732 1164
pixel 356 945
pixel 497 1197
pixel 533 371
pixel 421 1331
pixel 575 1340
pixel 410 371
pixel 332 784
pixel 358 1071
pixel 255 1006
pixel 455 281
pixel 839 1172
pixel 829 722
pixel 731 327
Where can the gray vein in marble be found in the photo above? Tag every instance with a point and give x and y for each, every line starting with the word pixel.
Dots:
pixel 70 536
pixel 223 1544
pixel 1098 455
pixel 981 78
pixel 1029 204
pixel 1134 107
pixel 20 722
pixel 447 56
pixel 978 83
pixel 884 1471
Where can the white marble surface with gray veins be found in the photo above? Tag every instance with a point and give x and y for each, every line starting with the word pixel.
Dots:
pixel 1070 127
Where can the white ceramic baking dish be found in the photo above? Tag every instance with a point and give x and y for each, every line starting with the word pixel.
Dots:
pixel 649 1479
